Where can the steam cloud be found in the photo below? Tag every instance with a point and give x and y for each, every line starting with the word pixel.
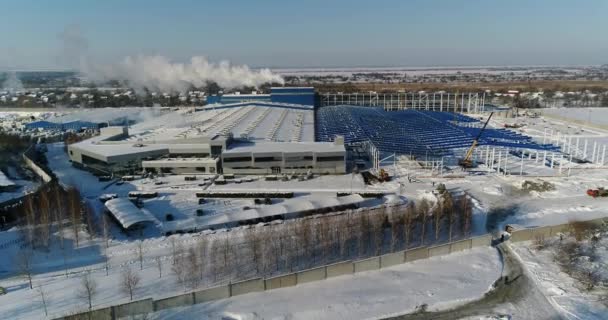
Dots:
pixel 12 83
pixel 158 73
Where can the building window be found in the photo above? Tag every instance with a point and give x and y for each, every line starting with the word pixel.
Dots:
pixel 237 159
pixel 328 159
pixel 201 169
pixel 268 159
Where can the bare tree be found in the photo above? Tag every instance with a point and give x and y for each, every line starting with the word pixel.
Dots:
pixel 323 235
pixel 106 261
pixel 105 230
pixel 303 234
pixel 75 208
pixel 130 282
pixel 345 233
pixel 140 254
pixel 448 209
pixel 192 267
pixel 423 209
pixel 396 221
pixel 363 232
pixel 254 241
pixel 408 223
pixel 378 222
pixel 466 215
pixel 88 289
pixel 437 218
pixel 43 299
pixel 30 219
pixel 44 212
pixel 90 219
pixel 179 266
pixel 159 266
pixel 202 245
pixel 24 263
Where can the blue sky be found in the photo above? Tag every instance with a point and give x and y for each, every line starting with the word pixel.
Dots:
pixel 312 33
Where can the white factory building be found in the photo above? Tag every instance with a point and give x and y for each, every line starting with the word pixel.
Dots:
pixel 240 138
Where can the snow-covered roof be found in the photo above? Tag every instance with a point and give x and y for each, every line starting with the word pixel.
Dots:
pixel 288 206
pixel 5 181
pixel 127 213
pixel 110 150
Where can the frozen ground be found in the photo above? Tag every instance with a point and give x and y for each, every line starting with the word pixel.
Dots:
pixel 439 282
pixel 598 116
pixel 561 289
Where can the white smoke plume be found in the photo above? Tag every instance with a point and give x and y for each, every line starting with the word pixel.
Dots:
pixel 12 83
pixel 158 73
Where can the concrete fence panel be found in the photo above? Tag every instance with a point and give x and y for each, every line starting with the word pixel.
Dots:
pixel 392 259
pixel 211 294
pixel 340 269
pixel 460 245
pixel 310 275
pixel 522 235
pixel 172 302
pixel 99 314
pixel 248 286
pixel 367 264
pixel 439 250
pixel 285 281
pixel 134 308
pixel 416 254
pixel 481 241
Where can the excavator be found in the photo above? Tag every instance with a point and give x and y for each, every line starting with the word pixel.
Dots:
pixel 467 162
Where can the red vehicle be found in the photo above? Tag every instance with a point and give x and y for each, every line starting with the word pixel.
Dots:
pixel 599 192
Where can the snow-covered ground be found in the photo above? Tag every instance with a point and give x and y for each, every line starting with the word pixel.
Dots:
pixel 439 282
pixel 563 291
pixel 598 116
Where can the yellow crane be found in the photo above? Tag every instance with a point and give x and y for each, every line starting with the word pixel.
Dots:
pixel 466 162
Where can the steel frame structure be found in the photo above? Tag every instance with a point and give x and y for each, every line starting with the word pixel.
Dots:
pixel 466 102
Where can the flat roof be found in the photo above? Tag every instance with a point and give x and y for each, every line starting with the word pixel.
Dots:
pixel 285 147
pixel 288 206
pixel 118 149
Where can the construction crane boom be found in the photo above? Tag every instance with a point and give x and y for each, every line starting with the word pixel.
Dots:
pixel 466 161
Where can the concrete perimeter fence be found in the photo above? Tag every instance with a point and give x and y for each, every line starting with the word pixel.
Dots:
pixel 316 274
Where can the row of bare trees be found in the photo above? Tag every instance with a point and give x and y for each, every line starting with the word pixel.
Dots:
pixel 307 242
pixel 48 208
pixel 298 244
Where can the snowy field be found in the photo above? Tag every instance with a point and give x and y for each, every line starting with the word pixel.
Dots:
pixel 439 282
pixel 598 116
pixel 563 291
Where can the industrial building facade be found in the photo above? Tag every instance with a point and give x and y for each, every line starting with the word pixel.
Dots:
pixel 279 158
pixel 238 138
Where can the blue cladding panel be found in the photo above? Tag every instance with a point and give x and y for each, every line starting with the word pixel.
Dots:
pixel 238 98
pixel 74 125
pixel 293 95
